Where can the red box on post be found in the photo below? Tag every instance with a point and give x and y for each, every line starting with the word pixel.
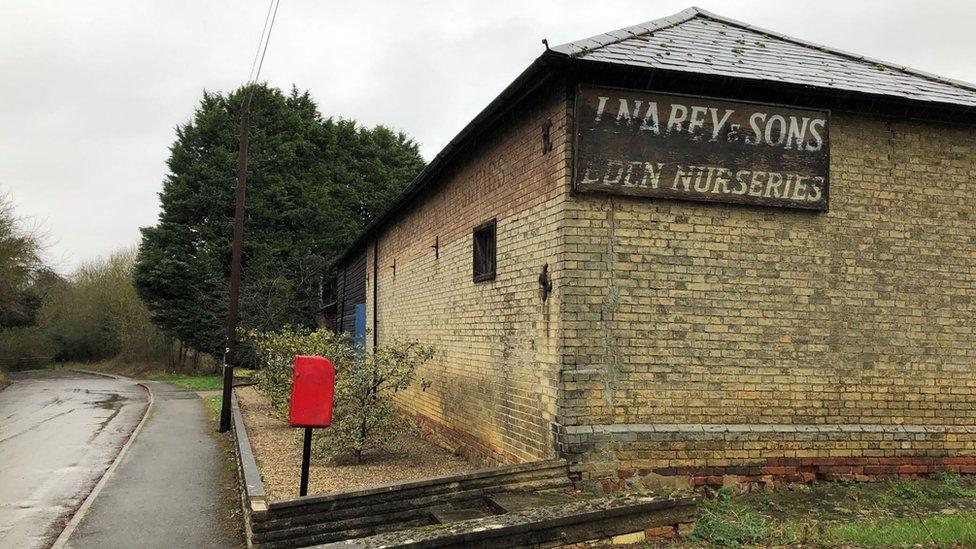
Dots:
pixel 312 390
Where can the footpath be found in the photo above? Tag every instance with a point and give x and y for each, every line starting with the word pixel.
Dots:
pixel 165 491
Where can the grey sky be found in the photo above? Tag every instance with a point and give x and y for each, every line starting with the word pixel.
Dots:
pixel 90 92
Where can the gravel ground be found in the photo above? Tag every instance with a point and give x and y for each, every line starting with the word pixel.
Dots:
pixel 278 450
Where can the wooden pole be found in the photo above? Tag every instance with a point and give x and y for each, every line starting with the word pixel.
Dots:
pixel 230 353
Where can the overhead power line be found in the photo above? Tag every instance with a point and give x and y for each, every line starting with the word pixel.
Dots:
pixel 264 41
pixel 264 29
pixel 267 39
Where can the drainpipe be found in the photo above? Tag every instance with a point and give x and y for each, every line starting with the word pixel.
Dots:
pixel 376 303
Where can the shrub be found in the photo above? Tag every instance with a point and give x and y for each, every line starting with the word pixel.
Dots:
pixel 96 315
pixel 24 348
pixel 364 415
pixel 276 353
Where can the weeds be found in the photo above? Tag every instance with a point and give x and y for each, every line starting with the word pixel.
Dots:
pixel 907 490
pixel 936 512
pixel 213 406
pixel 725 522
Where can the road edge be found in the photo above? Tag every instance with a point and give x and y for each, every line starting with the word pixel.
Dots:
pixel 82 510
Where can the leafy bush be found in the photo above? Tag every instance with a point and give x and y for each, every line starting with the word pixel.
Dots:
pixel 364 415
pixel 276 353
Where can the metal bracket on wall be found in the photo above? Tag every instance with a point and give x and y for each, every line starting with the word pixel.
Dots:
pixel 545 283
pixel 437 247
pixel 546 140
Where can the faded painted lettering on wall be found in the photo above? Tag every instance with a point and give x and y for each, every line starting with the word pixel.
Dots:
pixel 672 146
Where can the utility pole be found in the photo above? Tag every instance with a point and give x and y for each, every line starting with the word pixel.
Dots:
pixel 230 353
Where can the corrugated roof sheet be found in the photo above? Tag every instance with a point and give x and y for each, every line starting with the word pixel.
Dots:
pixel 701 42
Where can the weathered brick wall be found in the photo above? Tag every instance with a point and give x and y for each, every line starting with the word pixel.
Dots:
pixel 705 339
pixel 495 374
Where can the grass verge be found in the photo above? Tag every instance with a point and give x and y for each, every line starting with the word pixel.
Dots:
pixel 140 370
pixel 203 383
pixel 930 531
pixel 213 406
pixel 930 512
pixel 156 372
pixel 191 381
pixel 194 383
pixel 231 516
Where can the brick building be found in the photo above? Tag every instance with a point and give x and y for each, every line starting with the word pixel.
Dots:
pixel 761 252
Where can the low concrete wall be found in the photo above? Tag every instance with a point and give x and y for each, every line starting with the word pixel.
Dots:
pixel 626 519
pixel 254 500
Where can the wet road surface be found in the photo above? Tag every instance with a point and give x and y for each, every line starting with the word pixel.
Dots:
pixel 59 431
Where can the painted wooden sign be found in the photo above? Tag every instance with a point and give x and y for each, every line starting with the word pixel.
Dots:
pixel 694 148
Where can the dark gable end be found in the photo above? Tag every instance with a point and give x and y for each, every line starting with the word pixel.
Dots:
pixel 696 51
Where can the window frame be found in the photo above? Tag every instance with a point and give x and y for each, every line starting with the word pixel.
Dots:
pixel 484 275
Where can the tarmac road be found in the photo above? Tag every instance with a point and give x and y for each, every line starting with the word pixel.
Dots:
pixel 59 432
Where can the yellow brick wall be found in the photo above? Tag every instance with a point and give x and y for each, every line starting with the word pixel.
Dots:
pixel 495 375
pixel 682 317
pixel 682 337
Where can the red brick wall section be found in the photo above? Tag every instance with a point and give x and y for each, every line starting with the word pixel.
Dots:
pixel 765 474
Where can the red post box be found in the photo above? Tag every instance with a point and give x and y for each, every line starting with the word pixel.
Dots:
pixel 313 386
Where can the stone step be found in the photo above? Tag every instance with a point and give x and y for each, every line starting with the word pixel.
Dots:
pixel 445 514
pixel 513 502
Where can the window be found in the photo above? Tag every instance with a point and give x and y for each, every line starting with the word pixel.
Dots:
pixel 484 251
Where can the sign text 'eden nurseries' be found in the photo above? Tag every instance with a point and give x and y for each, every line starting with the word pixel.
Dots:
pixel 692 148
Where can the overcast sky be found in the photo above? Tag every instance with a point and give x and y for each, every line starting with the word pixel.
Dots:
pixel 90 92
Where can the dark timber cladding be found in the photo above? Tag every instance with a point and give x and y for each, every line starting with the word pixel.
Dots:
pixel 351 291
pixel 697 148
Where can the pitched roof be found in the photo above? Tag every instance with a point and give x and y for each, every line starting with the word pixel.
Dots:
pixel 695 40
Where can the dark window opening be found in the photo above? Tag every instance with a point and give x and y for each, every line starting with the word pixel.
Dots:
pixel 484 251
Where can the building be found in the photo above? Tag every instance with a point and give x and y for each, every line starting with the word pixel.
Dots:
pixel 693 247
